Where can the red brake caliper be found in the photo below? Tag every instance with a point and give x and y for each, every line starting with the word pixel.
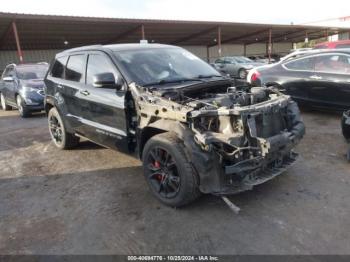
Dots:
pixel 157 165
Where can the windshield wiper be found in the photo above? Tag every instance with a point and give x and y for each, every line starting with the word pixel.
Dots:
pixel 164 81
pixel 208 76
pixel 181 80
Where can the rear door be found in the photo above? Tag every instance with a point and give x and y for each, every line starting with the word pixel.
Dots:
pixel 294 77
pixel 331 80
pixel 103 109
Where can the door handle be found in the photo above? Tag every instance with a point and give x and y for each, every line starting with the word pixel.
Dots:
pixel 316 77
pixel 85 93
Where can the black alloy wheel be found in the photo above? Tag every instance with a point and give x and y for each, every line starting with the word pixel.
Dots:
pixel 162 172
pixel 56 130
pixel 169 171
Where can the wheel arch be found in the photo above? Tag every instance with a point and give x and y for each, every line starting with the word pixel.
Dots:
pixel 146 134
pixel 155 128
pixel 49 103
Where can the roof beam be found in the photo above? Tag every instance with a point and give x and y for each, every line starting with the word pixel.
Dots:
pixel 282 36
pixel 299 34
pixel 124 34
pixel 189 37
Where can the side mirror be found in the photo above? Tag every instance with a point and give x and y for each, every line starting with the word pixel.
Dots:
pixel 107 80
pixel 8 79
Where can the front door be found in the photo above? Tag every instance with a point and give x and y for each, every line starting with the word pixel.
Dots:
pixel 104 117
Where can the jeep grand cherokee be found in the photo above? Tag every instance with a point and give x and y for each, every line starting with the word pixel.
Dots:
pixel 194 131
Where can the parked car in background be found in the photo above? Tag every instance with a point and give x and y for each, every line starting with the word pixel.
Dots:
pixel 194 131
pixel 318 79
pixel 235 66
pixel 333 45
pixel 22 87
pixel 261 59
pixel 298 52
pixel 345 126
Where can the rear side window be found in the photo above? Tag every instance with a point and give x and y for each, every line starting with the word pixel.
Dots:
pixel 58 67
pixel 75 68
pixel 303 64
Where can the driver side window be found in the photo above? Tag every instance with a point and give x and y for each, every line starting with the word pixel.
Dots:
pixel 98 64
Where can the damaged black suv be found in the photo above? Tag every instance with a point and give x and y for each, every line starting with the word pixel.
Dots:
pixel 194 131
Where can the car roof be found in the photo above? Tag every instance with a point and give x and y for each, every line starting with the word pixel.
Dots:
pixel 326 51
pixel 313 52
pixel 28 64
pixel 118 47
pixel 333 43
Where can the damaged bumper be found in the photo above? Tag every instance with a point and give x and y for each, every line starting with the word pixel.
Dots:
pixel 259 149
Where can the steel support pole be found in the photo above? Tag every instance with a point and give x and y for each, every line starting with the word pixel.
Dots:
pixel 143 32
pixel 269 48
pixel 18 44
pixel 208 54
pixel 219 41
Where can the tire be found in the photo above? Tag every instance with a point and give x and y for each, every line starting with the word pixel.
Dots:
pixel 22 108
pixel 168 171
pixel 61 138
pixel 242 73
pixel 3 103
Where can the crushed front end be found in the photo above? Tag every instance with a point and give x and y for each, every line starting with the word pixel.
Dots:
pixel 236 139
pixel 249 143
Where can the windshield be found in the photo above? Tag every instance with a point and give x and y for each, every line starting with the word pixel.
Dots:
pixel 31 72
pixel 163 65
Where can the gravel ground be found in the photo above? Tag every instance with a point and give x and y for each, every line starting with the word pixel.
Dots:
pixel 93 200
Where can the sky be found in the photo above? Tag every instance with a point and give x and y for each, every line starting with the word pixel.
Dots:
pixel 255 11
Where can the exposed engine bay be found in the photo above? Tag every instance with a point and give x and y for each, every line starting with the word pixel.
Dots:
pixel 235 137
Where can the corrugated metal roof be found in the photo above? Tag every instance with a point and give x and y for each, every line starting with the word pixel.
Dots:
pixel 51 31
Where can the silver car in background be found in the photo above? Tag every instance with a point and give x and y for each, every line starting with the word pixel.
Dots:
pixel 235 66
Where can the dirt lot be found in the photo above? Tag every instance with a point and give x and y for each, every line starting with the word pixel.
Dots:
pixel 93 200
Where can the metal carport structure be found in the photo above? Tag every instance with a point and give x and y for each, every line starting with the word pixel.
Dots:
pixel 36 32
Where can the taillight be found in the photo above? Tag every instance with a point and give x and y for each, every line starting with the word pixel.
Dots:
pixel 255 76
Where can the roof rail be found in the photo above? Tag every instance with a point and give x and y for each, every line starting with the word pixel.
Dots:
pixel 82 48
